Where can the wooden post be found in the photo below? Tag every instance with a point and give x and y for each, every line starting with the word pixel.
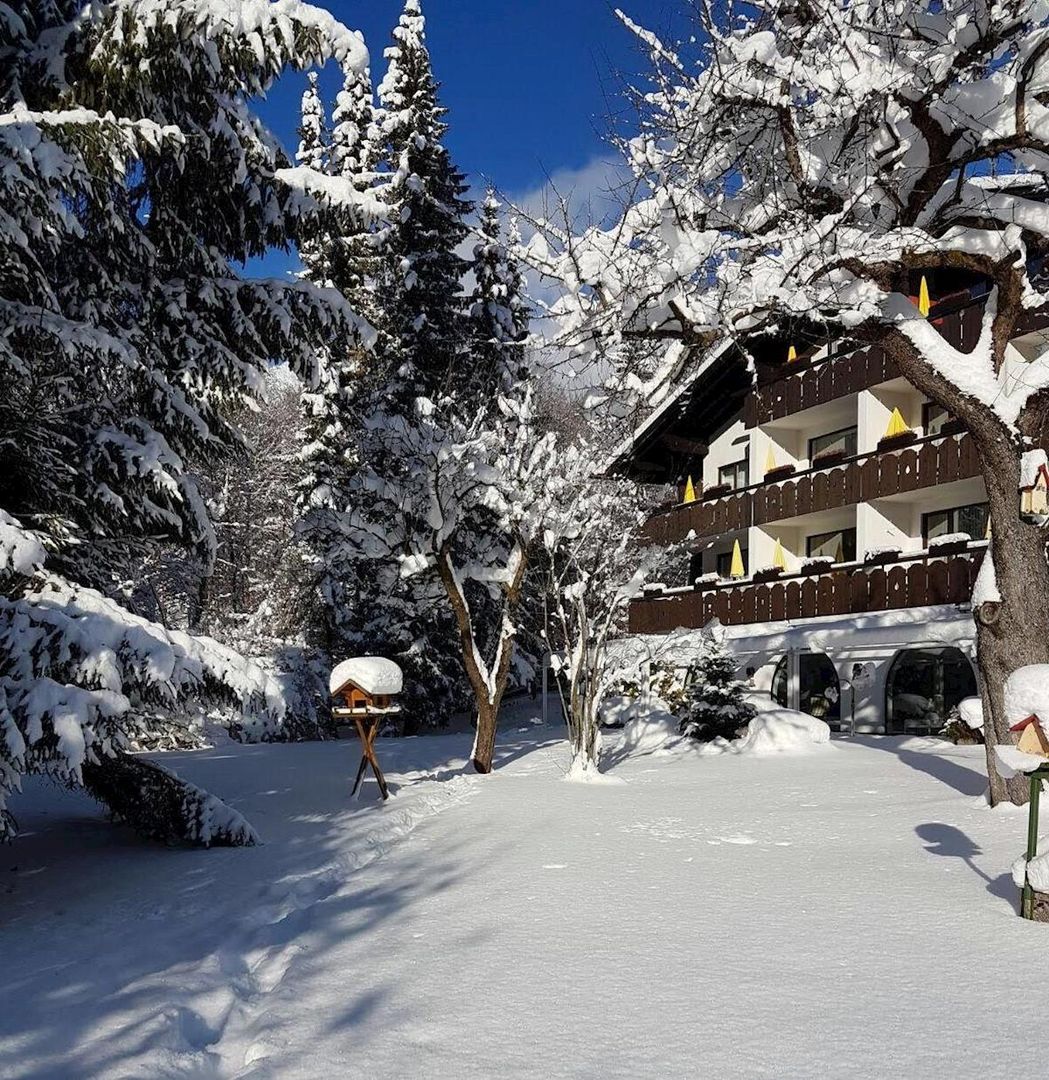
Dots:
pixel 1027 897
pixel 367 729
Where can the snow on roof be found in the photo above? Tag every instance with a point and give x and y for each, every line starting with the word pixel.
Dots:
pixel 1031 464
pixel 372 674
pixel 672 399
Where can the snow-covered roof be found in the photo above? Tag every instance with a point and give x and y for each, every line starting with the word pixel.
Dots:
pixel 669 403
pixel 1033 463
pixel 372 674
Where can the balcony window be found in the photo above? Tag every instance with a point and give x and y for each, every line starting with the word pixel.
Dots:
pixel 840 545
pixel 736 475
pixel 841 442
pixel 934 417
pixel 970 519
pixel 724 562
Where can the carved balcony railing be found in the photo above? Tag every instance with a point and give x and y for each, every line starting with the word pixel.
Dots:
pixel 912 581
pixel 926 463
pixel 792 388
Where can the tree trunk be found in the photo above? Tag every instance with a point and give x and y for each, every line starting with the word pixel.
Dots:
pixel 1014 632
pixel 484 739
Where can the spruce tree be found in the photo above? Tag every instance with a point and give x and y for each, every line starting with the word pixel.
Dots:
pixel 134 179
pixel 714 701
pixel 498 312
pixel 421 282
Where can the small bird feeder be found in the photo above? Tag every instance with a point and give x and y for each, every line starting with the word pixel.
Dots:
pixel 367 686
pixel 1034 487
pixel 1033 738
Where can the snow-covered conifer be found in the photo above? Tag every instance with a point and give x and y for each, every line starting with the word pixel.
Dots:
pixel 714 703
pixel 498 311
pixel 133 179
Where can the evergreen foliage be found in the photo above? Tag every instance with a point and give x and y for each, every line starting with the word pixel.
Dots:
pixel 714 704
pixel 133 178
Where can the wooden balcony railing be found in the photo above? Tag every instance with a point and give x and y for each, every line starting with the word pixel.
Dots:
pixel 915 581
pixel 925 463
pixel 792 388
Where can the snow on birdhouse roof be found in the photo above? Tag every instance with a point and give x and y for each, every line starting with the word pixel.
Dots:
pixel 1034 464
pixel 372 674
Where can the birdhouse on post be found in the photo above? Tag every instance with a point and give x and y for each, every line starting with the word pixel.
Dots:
pixel 1033 738
pixel 1034 487
pixel 367 686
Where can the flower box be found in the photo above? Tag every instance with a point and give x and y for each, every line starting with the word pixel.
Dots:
pixel 881 556
pixel 820 564
pixel 717 491
pixel 952 544
pixel 828 458
pixel 897 442
pixel 780 472
pixel 953 427
pixel 767 573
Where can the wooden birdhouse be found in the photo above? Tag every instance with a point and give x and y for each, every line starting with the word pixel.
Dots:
pixel 1033 739
pixel 367 686
pixel 1034 491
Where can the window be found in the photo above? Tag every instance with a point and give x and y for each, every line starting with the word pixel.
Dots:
pixel 843 442
pixel 960 519
pixel 724 563
pixel 934 417
pixel 840 545
pixel 736 475
pixel 924 688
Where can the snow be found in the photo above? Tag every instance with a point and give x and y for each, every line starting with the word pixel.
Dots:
pixel 1013 761
pixel 948 539
pixel 372 674
pixel 1031 465
pixel 474 927
pixel 971 711
pixel 1027 694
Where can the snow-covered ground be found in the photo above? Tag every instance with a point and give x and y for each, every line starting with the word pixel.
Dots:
pixel 842 913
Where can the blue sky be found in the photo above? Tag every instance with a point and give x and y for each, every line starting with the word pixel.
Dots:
pixel 530 84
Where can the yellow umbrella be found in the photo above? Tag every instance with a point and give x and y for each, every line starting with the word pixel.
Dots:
pixel 737 570
pixel 897 425
pixel 792 354
pixel 778 558
pixel 924 306
pixel 770 460
pixel 690 492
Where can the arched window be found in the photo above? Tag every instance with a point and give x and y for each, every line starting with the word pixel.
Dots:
pixel 779 684
pixel 818 690
pixel 924 685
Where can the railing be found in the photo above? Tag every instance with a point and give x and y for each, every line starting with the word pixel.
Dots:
pixel 790 389
pixel 939 459
pixel 911 581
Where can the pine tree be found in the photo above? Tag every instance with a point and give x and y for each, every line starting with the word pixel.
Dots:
pixel 421 284
pixel 498 312
pixel 715 704
pixel 134 179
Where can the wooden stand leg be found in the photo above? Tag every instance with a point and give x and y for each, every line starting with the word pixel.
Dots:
pixel 1027 897
pixel 367 735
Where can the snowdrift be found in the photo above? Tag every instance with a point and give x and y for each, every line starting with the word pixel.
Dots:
pixel 774 730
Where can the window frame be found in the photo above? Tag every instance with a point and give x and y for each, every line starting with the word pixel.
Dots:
pixel 927 408
pixel 952 528
pixel 823 537
pixel 744 464
pixel 852 429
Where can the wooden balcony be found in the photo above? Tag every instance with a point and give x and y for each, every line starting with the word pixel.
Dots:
pixel 791 388
pixel 926 463
pixel 915 581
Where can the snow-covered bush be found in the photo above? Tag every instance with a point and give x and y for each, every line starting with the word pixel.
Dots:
pixel 714 703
